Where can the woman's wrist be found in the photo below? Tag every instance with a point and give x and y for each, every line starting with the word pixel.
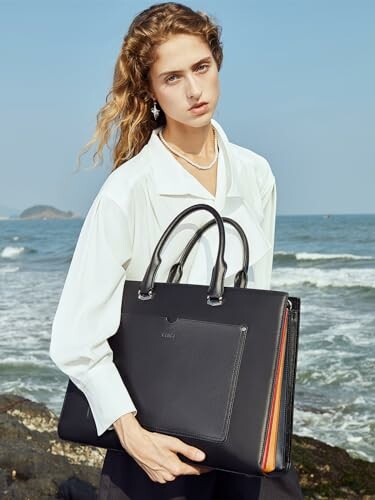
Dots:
pixel 126 418
pixel 125 424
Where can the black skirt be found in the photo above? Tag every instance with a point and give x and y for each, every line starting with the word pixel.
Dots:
pixel 123 479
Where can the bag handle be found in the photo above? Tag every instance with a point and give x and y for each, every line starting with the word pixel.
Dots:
pixel 240 280
pixel 216 288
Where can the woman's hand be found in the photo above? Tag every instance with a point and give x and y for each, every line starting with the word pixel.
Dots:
pixel 157 453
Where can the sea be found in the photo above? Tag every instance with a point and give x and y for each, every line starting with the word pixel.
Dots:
pixel 326 260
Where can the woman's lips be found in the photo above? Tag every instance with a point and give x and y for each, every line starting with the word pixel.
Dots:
pixel 199 110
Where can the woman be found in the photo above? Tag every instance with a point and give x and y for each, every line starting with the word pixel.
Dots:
pixel 169 154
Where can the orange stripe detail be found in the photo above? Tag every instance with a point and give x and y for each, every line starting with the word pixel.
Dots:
pixel 269 456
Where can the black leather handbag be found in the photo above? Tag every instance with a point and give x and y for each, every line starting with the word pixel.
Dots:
pixel 212 366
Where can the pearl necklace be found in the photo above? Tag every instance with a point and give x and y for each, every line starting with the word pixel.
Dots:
pixel 201 167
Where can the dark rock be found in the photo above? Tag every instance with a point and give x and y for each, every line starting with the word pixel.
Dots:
pixel 36 465
pixel 3 480
pixel 328 472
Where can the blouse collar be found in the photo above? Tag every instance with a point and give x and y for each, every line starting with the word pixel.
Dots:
pixel 169 179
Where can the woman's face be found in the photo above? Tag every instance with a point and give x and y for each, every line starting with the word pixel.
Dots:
pixel 183 75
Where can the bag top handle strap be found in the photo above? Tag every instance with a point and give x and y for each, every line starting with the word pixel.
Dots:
pixel 240 280
pixel 216 288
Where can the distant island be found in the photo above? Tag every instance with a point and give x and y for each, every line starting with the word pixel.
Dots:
pixel 46 212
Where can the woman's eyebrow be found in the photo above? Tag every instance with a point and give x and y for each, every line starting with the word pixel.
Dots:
pixel 205 59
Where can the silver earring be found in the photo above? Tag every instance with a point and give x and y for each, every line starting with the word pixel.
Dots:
pixel 155 111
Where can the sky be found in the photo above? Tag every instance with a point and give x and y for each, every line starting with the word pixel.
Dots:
pixel 297 86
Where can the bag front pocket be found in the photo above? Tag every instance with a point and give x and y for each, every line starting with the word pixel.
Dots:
pixel 181 373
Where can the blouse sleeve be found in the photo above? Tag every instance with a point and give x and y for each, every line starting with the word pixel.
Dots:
pixel 89 311
pixel 269 199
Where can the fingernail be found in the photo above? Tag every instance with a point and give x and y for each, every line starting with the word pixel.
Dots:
pixel 199 454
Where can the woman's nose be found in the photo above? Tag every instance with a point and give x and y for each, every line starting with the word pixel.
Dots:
pixel 193 90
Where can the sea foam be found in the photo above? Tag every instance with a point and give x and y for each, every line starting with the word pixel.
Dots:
pixel 320 256
pixel 11 252
pixel 341 278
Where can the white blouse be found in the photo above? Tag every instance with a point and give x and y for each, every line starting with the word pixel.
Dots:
pixel 134 206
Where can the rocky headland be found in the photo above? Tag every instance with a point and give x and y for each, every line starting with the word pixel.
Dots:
pixel 36 465
pixel 46 212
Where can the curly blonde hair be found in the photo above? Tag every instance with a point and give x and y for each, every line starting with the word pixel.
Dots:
pixel 127 108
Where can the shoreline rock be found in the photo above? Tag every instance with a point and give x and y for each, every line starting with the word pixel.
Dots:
pixel 35 464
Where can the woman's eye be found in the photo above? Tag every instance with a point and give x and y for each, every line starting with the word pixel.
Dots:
pixel 173 78
pixel 203 67
pixel 169 79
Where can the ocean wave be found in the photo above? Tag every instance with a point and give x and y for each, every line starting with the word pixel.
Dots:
pixel 9 269
pixel 20 360
pixel 321 278
pixel 11 252
pixel 336 256
pixel 337 429
pixel 302 256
